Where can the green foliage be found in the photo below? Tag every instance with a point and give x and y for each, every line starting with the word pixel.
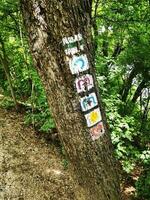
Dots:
pixel 26 83
pixel 123 133
pixel 42 121
pixel 124 121
pixel 122 39
pixel 121 35
pixel 6 103
pixel 143 184
pixel 40 116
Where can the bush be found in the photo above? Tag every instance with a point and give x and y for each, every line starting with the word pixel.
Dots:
pixel 143 184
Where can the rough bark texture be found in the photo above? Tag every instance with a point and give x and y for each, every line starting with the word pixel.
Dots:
pixel 47 22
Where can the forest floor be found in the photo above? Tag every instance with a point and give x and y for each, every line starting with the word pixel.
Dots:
pixel 30 167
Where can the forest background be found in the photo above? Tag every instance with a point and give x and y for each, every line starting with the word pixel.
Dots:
pixel 121 37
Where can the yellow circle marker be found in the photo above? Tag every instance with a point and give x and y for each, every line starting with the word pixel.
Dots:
pixel 94 116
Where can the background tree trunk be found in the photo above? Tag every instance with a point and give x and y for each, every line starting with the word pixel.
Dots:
pixel 47 23
pixel 138 91
pixel 5 64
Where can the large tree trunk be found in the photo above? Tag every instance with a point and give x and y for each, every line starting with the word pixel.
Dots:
pixel 49 24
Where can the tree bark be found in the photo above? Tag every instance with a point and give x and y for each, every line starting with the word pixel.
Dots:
pixel 128 84
pixel 47 23
pixel 138 91
pixel 4 62
pixel 117 50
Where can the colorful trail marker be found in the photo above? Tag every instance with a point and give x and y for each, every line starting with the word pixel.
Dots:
pixel 97 131
pixel 84 83
pixel 73 46
pixel 88 102
pixel 78 64
pixel 93 117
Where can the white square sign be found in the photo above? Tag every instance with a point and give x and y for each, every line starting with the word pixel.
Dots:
pixel 93 117
pixel 84 83
pixel 88 102
pixel 97 131
pixel 78 64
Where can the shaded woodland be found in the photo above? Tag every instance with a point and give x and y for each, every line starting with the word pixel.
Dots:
pixel 121 41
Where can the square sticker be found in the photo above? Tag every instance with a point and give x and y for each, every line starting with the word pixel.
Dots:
pixel 84 83
pixel 93 117
pixel 78 64
pixel 97 131
pixel 88 102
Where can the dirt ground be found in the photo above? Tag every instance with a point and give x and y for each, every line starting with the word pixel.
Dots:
pixel 30 168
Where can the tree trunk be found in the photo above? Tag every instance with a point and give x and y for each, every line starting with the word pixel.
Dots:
pixel 138 91
pixel 128 84
pixel 4 62
pixel 51 25
pixel 117 50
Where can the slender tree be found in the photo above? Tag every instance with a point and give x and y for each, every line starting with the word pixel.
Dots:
pixel 61 44
pixel 5 64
